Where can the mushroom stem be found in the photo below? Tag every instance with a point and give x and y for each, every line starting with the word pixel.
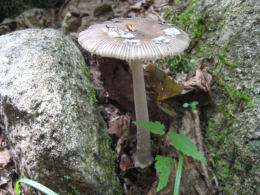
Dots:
pixel 143 156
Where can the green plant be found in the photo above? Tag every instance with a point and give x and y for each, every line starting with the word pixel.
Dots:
pixel 223 58
pixel 197 25
pixel 163 164
pixel 180 63
pixel 35 185
pixel 192 105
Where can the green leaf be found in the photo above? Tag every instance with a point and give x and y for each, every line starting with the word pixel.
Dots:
pixel 66 176
pixel 184 144
pixel 227 78
pixel 155 127
pixel 193 61
pixel 185 105
pixel 35 185
pixel 163 167
pixel 194 104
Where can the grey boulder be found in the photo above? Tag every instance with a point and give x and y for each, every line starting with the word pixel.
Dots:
pixel 48 110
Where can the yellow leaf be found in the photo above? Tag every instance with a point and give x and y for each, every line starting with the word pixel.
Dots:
pixel 162 84
pixel 130 27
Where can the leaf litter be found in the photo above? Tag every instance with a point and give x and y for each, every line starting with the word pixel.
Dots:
pixel 7 170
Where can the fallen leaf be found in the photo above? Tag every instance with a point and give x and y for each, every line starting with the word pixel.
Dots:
pixel 5 157
pixel 10 188
pixel 138 5
pixel 164 86
pixel 4 178
pixel 119 126
pixel 153 189
pixel 117 81
pixel 126 162
pixel 196 88
pixel 200 81
pixel 121 145
pixel 6 175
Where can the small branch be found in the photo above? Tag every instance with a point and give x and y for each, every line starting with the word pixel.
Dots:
pixel 158 15
pixel 199 141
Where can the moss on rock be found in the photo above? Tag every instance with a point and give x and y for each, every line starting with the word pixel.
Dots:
pixel 223 45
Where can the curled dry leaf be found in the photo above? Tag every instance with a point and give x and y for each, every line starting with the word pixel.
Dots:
pixel 200 81
pixel 197 88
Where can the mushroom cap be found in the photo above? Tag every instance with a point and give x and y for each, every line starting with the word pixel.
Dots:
pixel 133 39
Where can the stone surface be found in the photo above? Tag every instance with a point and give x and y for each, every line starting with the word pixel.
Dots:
pixel 233 127
pixel 47 106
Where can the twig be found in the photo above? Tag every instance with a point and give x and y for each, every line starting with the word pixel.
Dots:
pixel 61 9
pixel 158 15
pixel 199 141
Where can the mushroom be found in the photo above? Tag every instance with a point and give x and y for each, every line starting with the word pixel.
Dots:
pixel 135 40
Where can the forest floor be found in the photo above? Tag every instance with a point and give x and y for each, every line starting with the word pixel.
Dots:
pixel 112 82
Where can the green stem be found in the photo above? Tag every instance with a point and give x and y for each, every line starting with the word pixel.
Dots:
pixel 35 185
pixel 178 175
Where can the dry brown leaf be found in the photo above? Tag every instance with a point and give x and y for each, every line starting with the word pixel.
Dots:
pixel 126 162
pixel 197 88
pixel 10 188
pixel 120 126
pixel 121 144
pixel 138 5
pixel 164 86
pixel 117 81
pixel 5 157
pixel 6 175
pixel 153 189
pixel 200 81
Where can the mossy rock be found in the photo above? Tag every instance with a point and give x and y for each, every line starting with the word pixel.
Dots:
pixel 229 48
